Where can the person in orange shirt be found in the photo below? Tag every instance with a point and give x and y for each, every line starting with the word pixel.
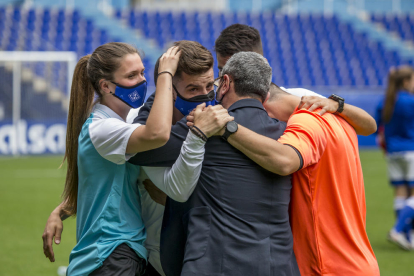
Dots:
pixel 327 209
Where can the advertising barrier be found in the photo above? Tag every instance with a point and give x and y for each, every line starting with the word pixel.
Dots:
pixel 31 137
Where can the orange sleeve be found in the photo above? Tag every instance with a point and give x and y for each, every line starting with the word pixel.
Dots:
pixel 305 132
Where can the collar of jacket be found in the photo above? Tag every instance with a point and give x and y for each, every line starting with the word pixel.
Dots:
pixel 246 103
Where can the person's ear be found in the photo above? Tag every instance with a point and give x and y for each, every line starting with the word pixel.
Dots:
pixel 104 85
pixel 226 85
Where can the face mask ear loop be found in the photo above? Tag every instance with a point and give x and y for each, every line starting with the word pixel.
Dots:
pixel 178 94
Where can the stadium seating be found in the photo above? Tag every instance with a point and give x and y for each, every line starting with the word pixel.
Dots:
pixel 402 25
pixel 304 50
pixel 50 30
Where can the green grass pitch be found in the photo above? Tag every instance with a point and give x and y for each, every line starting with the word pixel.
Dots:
pixel 30 188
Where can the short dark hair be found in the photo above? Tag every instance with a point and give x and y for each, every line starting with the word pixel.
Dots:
pixel 195 59
pixel 238 38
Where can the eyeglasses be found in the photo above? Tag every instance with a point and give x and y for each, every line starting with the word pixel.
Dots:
pixel 217 81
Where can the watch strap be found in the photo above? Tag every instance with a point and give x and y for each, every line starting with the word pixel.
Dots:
pixel 340 101
pixel 226 135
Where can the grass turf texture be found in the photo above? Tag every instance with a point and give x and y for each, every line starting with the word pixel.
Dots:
pixel 30 188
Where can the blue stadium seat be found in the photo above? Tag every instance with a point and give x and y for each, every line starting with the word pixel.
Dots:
pixel 303 49
pixel 51 30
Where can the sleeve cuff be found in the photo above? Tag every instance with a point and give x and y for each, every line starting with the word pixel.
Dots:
pixel 131 130
pixel 300 156
pixel 194 142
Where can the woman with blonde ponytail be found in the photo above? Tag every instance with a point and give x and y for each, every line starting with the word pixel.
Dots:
pixel 100 187
pixel 395 116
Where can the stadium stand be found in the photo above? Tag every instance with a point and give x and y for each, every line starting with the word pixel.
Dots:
pixel 344 57
pixel 48 29
pixel 305 50
pixel 401 24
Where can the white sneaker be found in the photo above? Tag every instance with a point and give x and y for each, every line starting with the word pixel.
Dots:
pixel 399 239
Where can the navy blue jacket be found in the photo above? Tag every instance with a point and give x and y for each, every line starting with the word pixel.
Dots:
pixel 236 221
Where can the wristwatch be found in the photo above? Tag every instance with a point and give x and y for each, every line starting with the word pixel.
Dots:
pixel 340 100
pixel 231 127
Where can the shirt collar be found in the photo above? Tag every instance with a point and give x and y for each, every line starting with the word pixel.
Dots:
pixel 105 111
pixel 246 103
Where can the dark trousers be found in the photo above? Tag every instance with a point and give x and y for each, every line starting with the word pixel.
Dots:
pixel 151 271
pixel 123 261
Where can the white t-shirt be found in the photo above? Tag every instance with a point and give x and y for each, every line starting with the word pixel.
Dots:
pixel 110 134
pixel 300 92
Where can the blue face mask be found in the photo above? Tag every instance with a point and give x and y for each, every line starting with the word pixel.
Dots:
pixel 133 96
pixel 187 105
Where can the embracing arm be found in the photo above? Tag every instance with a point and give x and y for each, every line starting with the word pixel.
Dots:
pixel 268 153
pixel 302 144
pixel 156 132
pixel 179 181
pixel 363 123
pixel 166 155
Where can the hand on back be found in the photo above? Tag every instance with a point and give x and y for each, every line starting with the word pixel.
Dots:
pixel 155 193
pixel 312 103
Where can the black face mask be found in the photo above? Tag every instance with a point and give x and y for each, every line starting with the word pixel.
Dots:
pixel 187 105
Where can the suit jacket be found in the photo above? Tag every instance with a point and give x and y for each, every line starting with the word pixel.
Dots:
pixel 236 221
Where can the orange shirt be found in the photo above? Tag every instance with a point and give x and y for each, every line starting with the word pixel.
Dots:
pixel 327 211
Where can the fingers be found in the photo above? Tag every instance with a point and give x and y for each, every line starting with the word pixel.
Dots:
pixel 47 245
pixel 301 103
pixel 228 119
pixel 58 234
pixel 190 118
pixel 161 59
pixel 178 54
pixel 314 106
pixel 169 51
pixel 176 51
pixel 146 182
pixel 199 108
pixel 216 107
pixel 306 105
pixel 311 103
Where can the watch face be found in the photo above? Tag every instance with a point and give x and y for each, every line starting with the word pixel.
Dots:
pixel 232 126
